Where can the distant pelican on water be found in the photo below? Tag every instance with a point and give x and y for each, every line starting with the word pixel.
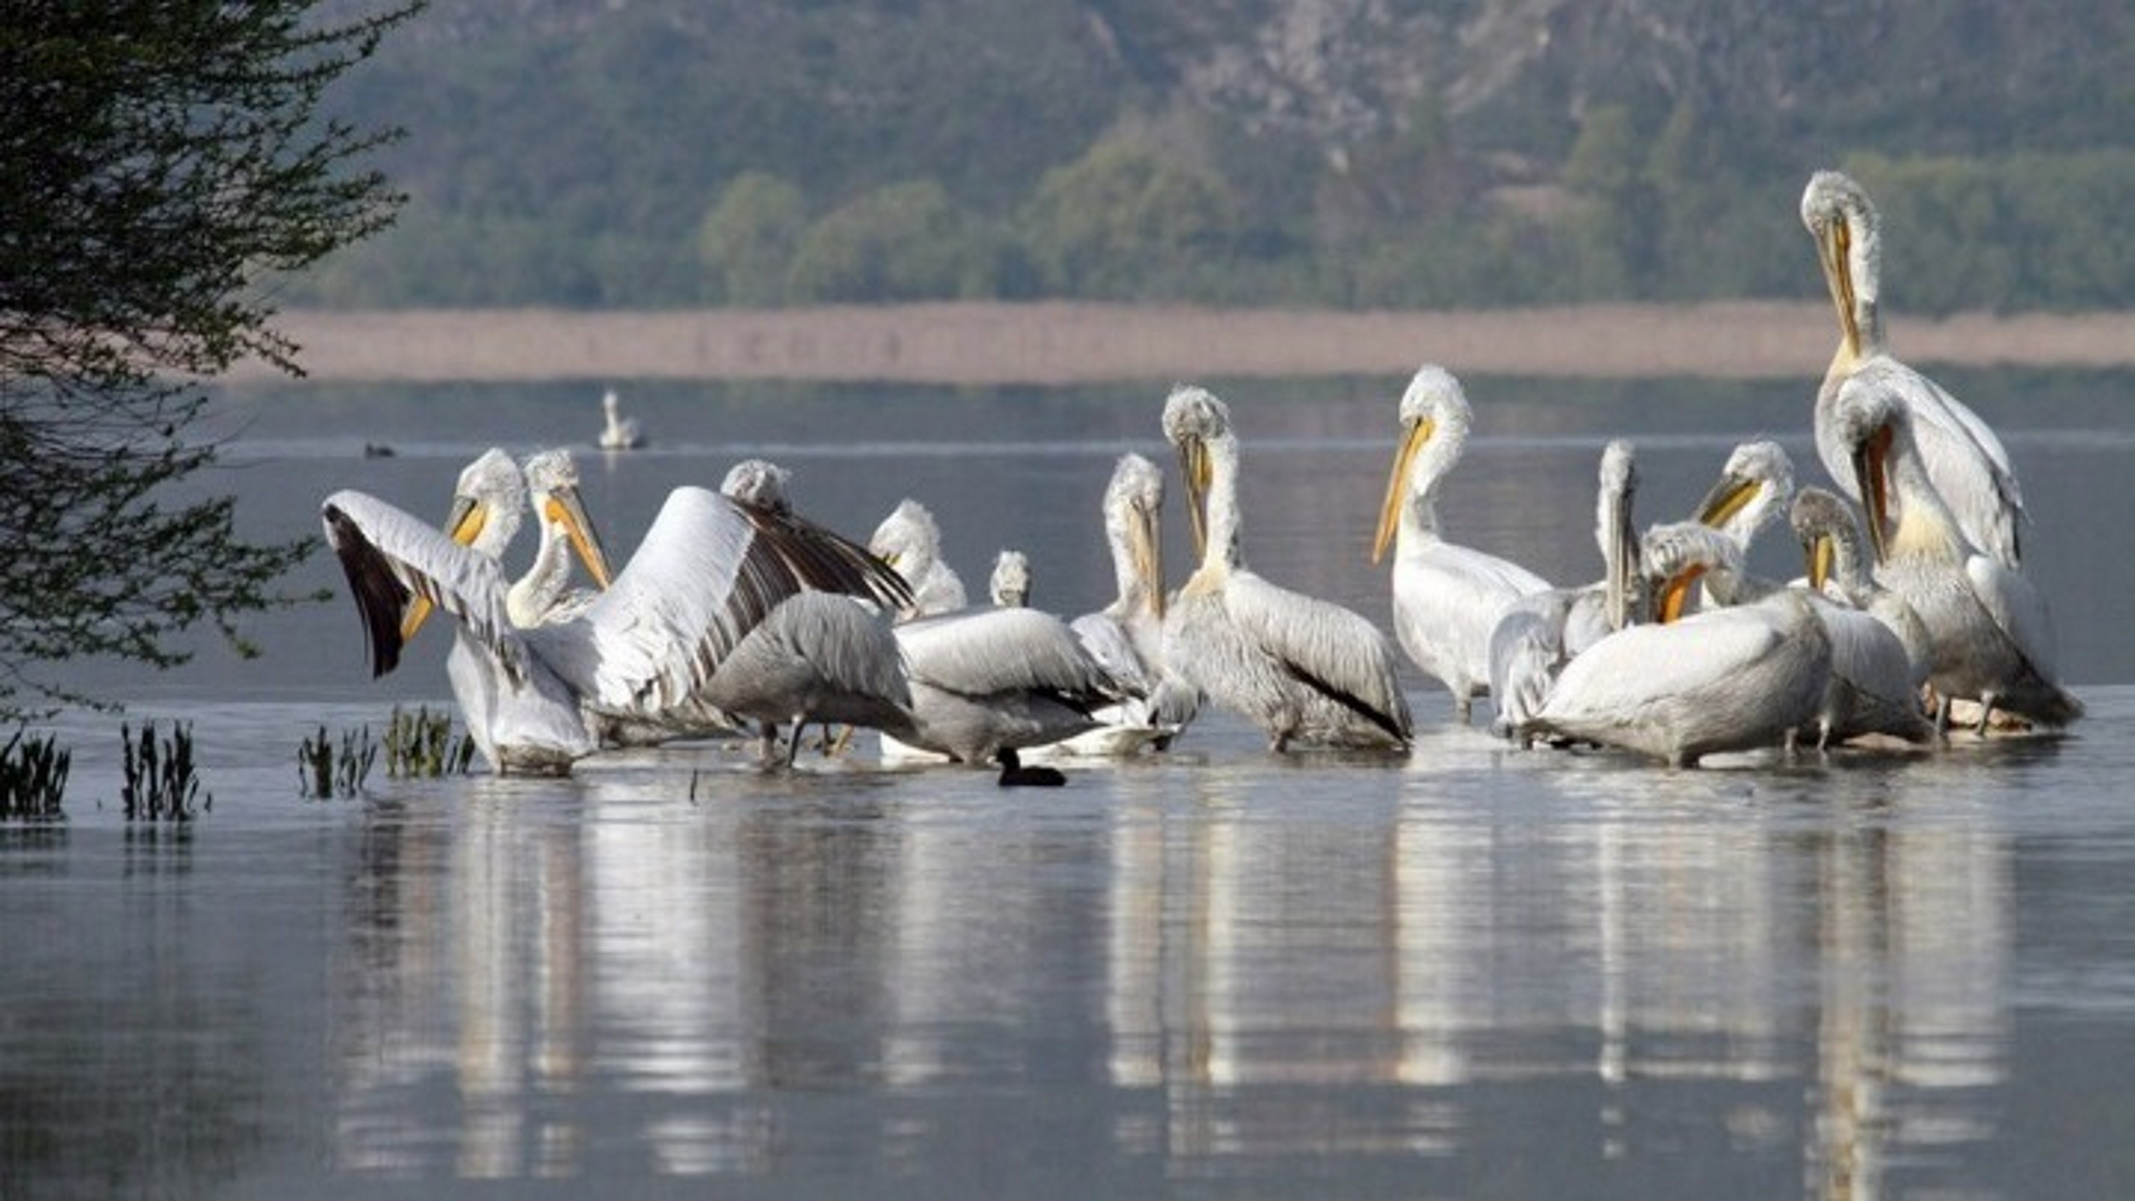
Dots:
pixel 620 432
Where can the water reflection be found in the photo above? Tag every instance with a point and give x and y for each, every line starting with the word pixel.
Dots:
pixel 1378 975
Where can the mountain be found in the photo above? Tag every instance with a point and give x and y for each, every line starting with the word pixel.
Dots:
pixel 1335 151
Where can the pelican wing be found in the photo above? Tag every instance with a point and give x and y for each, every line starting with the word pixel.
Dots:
pixel 1722 672
pixel 1334 650
pixel 2018 609
pixel 392 557
pixel 703 577
pixel 978 652
pixel 825 560
pixel 1113 647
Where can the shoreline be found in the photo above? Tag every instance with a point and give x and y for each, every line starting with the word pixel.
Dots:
pixel 1053 343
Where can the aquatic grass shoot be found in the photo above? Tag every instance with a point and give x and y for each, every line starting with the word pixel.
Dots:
pixel 33 778
pixel 422 745
pixel 162 781
pixel 323 773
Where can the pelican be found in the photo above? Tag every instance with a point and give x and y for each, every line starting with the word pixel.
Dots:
pixel 1755 486
pixel 1879 649
pixel 1447 598
pixel 1723 679
pixel 1010 586
pixel 1991 635
pixel 1127 636
pixel 989 679
pixel 1960 457
pixel 1542 631
pixel 706 573
pixel 815 657
pixel 620 432
pixel 1301 669
pixel 1871 687
pixel 909 541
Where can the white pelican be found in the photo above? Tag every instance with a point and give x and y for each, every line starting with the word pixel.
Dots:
pixel 1959 453
pixel 1721 680
pixel 815 657
pixel 1542 631
pixel 986 679
pixel 909 541
pixel 619 432
pixel 1010 586
pixel 1127 636
pixel 1447 598
pixel 1755 487
pixel 1301 669
pixel 706 573
pixel 1991 635
pixel 1871 687
pixel 1879 649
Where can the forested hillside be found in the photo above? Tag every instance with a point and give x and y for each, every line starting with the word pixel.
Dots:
pixel 633 153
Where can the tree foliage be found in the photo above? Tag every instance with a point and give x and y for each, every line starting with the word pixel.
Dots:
pixel 160 166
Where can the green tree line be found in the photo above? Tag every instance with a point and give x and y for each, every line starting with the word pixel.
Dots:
pixel 662 154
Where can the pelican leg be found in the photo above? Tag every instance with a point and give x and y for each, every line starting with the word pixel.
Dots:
pixel 1463 706
pixel 767 743
pixel 1986 712
pixel 793 744
pixel 1942 718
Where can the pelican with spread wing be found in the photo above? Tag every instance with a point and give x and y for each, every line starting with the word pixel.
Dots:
pixel 815 657
pixel 1301 669
pixel 1447 597
pixel 707 572
pixel 1958 453
pixel 1991 637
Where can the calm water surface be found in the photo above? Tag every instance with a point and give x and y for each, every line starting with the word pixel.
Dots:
pixel 1475 972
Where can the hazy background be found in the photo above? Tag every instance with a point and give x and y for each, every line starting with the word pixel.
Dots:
pixel 1354 153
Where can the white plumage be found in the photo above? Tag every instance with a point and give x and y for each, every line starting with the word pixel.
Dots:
pixel 1448 598
pixel 1301 669
pixel 1960 456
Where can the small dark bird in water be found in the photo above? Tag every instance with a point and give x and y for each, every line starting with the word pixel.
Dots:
pixel 377 450
pixel 1015 775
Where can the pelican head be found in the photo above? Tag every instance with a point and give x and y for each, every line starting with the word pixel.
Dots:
pixel 1134 502
pixel 907 540
pixel 1842 220
pixel 608 402
pixel 1677 554
pixel 1434 415
pixel 552 483
pixel 758 482
pixel 1198 426
pixel 1754 485
pixel 1010 585
pixel 1614 532
pixel 487 505
pixel 1869 420
pixel 1830 541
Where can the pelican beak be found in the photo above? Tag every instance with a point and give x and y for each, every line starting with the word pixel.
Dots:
pixel 565 509
pixel 1397 485
pixel 1621 582
pixel 1835 244
pixel 1871 471
pixel 1675 593
pixel 464 524
pixel 1727 498
pixel 1821 552
pixel 1194 465
pixel 1145 543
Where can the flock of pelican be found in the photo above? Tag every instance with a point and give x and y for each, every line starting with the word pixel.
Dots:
pixel 737 616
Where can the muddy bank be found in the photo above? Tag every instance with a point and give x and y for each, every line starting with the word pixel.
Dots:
pixel 1059 343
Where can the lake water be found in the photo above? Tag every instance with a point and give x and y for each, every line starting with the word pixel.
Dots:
pixel 1476 972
